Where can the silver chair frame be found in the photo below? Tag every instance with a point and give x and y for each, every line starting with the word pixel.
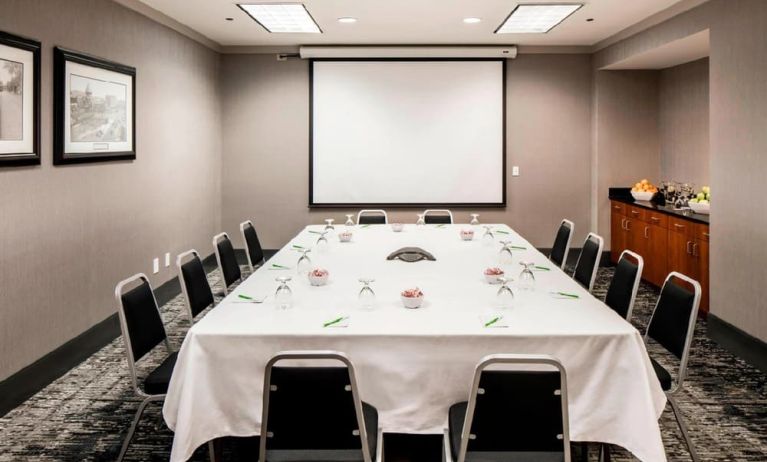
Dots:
pixel 252 266
pixel 635 289
pixel 373 211
pixel 179 262
pixel 601 242
pixel 475 390
pixel 571 226
pixel 216 239
pixel 682 374
pixel 439 212
pixel 319 355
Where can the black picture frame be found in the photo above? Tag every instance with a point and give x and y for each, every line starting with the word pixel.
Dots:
pixel 60 58
pixel 411 205
pixel 34 47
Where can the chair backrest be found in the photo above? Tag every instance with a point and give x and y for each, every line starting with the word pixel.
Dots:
pixel 588 262
pixel 624 285
pixel 227 260
pixel 522 411
pixel 372 217
pixel 140 321
pixel 312 408
pixel 252 245
pixel 673 321
pixel 194 283
pixel 561 246
pixel 437 216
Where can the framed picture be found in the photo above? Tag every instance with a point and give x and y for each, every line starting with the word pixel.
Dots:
pixel 19 101
pixel 94 109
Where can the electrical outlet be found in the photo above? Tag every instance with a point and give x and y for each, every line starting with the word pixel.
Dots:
pixel 515 170
pixel 155 266
pixel 167 259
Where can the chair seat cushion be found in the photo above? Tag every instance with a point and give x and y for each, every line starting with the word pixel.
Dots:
pixel 456 416
pixel 156 383
pixel 663 375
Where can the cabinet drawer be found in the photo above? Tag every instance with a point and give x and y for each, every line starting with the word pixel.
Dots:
pixel 702 232
pixel 636 213
pixel 682 226
pixel 618 207
pixel 656 218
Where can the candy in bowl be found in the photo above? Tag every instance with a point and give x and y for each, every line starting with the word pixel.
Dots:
pixel 318 277
pixel 345 236
pixel 397 227
pixel 412 298
pixel 467 234
pixel 493 275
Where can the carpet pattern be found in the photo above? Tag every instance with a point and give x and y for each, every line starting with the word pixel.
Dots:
pixel 84 415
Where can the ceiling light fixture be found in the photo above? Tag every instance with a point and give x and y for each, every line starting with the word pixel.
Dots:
pixel 347 20
pixel 282 17
pixel 471 20
pixel 536 18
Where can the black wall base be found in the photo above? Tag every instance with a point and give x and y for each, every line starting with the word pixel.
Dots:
pixel 737 342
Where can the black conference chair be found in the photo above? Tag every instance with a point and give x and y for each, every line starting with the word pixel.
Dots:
pixel 622 292
pixel 672 325
pixel 315 413
pixel 512 415
pixel 372 217
pixel 438 217
pixel 253 248
pixel 194 283
pixel 588 262
pixel 561 246
pixel 227 260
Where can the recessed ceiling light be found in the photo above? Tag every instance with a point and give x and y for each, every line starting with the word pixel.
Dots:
pixel 536 19
pixel 471 20
pixel 347 20
pixel 282 17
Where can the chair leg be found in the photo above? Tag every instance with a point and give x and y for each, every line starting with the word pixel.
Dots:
pixel 683 427
pixel 133 426
pixel 212 451
pixel 604 453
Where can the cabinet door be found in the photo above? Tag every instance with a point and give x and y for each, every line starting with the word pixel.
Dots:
pixel 617 235
pixel 635 236
pixel 656 248
pixel 700 255
pixel 679 254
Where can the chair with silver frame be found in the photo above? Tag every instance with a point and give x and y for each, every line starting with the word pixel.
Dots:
pixel 561 247
pixel 517 410
pixel 227 260
pixel 194 284
pixel 622 292
pixel 142 330
pixel 372 217
pixel 315 413
pixel 438 217
pixel 253 248
pixel 588 261
pixel 672 325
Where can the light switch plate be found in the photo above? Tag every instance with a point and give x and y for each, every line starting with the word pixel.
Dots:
pixel 167 259
pixel 155 266
pixel 515 170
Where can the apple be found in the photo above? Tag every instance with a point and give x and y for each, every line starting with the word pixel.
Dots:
pixel 706 190
pixel 701 196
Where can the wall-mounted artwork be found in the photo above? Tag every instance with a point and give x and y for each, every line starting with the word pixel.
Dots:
pixel 94 109
pixel 19 101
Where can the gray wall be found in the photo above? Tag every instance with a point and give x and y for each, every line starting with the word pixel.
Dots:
pixel 683 123
pixel 68 234
pixel 266 142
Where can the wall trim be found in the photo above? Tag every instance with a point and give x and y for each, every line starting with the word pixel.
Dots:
pixel 740 343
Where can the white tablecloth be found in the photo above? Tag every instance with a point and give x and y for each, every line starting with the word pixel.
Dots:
pixel 413 364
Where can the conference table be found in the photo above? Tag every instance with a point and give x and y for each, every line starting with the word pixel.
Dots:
pixel 412 364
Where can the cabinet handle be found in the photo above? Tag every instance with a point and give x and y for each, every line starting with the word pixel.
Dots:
pixel 623 223
pixel 646 232
pixel 617 207
pixel 654 218
pixel 688 247
pixel 694 250
pixel 634 212
pixel 707 234
pixel 678 225
pixel 628 222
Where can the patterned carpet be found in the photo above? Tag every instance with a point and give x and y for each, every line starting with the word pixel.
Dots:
pixel 84 415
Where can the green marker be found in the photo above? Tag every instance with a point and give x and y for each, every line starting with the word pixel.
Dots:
pixel 245 297
pixel 518 247
pixel 565 294
pixel 542 268
pixel 275 265
pixel 493 321
pixel 335 321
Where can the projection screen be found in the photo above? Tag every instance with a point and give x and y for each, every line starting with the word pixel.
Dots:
pixel 407 133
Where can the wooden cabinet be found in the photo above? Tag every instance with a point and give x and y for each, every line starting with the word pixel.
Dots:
pixel 666 242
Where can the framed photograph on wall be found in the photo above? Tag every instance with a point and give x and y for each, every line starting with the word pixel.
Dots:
pixel 94 109
pixel 19 100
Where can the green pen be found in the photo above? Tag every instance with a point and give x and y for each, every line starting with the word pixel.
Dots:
pixel 365 226
pixel 543 268
pixel 518 247
pixel 335 321
pixel 314 232
pixel 565 294
pixel 275 265
pixel 245 297
pixel 298 246
pixel 493 321
pixel 441 225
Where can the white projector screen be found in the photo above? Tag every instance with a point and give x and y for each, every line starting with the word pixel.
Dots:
pixel 407 132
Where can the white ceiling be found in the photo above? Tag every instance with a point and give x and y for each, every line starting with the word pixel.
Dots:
pixel 684 50
pixel 408 22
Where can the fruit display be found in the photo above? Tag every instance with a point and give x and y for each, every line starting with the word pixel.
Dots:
pixel 702 197
pixel 644 186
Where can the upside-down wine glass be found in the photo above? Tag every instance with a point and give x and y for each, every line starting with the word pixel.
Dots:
pixel 488 238
pixel 505 255
pixel 304 263
pixel 366 296
pixel 349 221
pixel 474 219
pixel 526 277
pixel 421 220
pixel 329 224
pixel 283 297
pixel 504 297
pixel 322 241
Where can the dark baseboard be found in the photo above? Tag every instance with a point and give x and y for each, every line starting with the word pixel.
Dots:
pixel 27 382
pixel 741 344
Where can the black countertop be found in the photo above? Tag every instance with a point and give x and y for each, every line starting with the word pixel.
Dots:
pixel 624 195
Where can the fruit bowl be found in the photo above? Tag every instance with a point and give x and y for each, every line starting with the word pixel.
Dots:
pixel 412 298
pixel 642 195
pixel 697 207
pixel 467 234
pixel 318 277
pixel 492 275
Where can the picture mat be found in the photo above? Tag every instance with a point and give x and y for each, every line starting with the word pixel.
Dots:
pixel 114 79
pixel 26 143
pixel 407 132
